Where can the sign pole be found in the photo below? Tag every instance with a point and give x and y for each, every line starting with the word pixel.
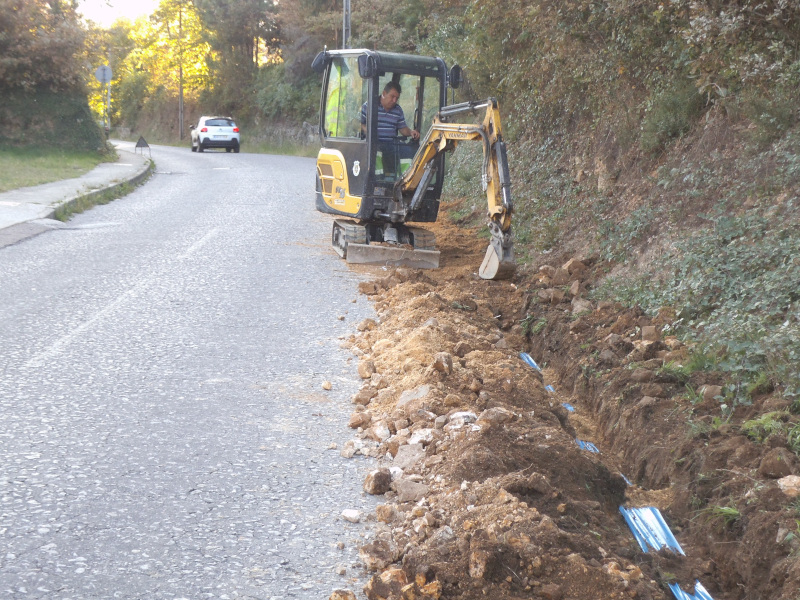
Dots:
pixel 346 25
pixel 103 75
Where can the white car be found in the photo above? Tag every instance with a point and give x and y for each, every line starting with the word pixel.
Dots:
pixel 215 132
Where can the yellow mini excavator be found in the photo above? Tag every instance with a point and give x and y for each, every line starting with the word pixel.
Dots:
pixel 382 186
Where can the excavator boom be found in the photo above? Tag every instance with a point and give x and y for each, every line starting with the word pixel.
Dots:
pixel 496 181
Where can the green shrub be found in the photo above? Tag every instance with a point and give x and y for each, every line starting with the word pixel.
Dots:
pixel 671 115
pixel 764 426
pixel 533 326
pixel 772 115
pixel 793 439
pixel 734 285
pixel 49 119
pixel 279 98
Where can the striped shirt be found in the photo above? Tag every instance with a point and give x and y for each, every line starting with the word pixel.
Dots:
pixel 389 122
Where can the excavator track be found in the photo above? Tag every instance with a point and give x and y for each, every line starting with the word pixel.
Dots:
pixel 422 238
pixel 349 239
pixel 345 233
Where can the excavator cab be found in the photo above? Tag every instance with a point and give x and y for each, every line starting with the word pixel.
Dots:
pixel 355 173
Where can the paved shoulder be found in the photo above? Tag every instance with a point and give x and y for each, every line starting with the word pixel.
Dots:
pixel 18 208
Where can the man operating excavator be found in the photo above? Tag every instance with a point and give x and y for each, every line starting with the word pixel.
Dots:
pixel 391 122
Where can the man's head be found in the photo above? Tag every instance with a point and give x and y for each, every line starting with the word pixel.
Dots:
pixel 390 95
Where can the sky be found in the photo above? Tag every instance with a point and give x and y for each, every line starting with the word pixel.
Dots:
pixel 105 12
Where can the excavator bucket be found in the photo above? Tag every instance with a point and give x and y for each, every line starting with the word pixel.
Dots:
pixel 497 264
pixel 395 256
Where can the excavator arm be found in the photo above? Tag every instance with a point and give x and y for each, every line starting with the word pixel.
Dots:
pixel 444 135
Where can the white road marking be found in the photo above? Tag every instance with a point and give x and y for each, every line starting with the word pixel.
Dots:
pixel 199 243
pixel 41 359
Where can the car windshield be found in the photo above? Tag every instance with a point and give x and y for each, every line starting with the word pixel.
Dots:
pixel 220 123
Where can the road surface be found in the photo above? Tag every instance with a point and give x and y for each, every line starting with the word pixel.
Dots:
pixel 163 428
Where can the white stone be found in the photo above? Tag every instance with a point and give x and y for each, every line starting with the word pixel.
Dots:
pixel 790 485
pixel 421 436
pixel 352 515
pixel 460 419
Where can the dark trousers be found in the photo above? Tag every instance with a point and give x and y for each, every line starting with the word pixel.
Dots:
pixel 394 151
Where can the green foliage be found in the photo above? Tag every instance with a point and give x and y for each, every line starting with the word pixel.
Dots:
pixel 793 537
pixel 795 506
pixel 692 395
pixel 674 372
pixel 280 99
pixel 533 326
pixel 131 96
pixel 700 359
pixel 735 284
pixel 236 31
pixel 40 44
pixel 773 114
pixel 49 119
pixel 793 438
pixel 759 384
pixel 698 428
pixel 748 42
pixel 722 516
pixel 671 115
pixel 464 171
pixel 616 239
pixel 764 426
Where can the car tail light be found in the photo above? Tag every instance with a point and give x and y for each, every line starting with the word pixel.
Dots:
pixel 235 130
pixel 204 130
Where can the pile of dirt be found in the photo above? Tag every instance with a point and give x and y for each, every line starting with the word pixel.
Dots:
pixel 488 492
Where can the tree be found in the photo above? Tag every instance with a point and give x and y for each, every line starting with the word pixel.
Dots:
pixel 171 48
pixel 40 41
pixel 240 33
pixel 306 27
pixel 107 46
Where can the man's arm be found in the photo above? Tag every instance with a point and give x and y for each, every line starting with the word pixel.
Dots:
pixel 405 129
pixel 412 132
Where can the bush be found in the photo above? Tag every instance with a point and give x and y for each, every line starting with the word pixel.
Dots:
pixel 278 98
pixel 772 115
pixel 61 120
pixel 672 114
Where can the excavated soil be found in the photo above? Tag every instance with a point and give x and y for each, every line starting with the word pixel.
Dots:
pixel 487 492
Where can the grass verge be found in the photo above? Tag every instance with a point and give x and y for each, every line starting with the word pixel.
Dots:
pixel 24 167
pixel 95 198
pixel 84 203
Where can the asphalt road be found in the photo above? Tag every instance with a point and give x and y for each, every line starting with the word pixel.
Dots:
pixel 163 428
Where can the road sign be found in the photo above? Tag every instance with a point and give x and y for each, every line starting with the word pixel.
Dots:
pixel 103 74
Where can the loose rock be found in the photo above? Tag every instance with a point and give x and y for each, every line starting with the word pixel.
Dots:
pixel 351 515
pixel 378 482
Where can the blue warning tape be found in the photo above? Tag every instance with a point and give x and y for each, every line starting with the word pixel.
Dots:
pixel 628 481
pixel 650 529
pixel 527 358
pixel 588 446
pixel 550 388
pixel 700 593
pixel 568 406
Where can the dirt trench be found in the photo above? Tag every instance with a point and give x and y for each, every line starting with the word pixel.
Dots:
pixel 487 492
